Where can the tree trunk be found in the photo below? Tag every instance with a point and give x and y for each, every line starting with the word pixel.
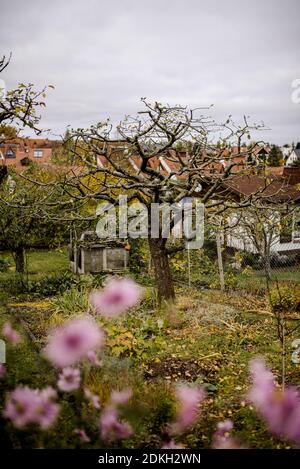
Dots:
pixel 267 263
pixel 20 260
pixel 3 173
pixel 160 262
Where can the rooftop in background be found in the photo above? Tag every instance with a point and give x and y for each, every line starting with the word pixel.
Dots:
pixel 271 190
pixel 20 152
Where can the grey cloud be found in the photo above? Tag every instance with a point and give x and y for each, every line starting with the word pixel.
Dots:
pixel 103 56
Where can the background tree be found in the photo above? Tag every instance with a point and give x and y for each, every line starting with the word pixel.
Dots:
pixel 275 157
pixel 19 223
pixel 8 132
pixel 19 107
pixel 259 228
pixel 29 215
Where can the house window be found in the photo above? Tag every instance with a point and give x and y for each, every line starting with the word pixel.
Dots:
pixel 10 154
pixel 38 153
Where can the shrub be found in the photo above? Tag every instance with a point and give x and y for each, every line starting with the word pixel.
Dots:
pixel 252 260
pixel 285 299
pixel 231 280
pixel 70 301
pixel 58 284
pixel 4 264
pixel 210 248
pixel 50 286
pixel 281 260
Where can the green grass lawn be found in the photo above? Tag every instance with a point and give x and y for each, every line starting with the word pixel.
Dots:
pixel 256 280
pixel 208 339
pixel 41 262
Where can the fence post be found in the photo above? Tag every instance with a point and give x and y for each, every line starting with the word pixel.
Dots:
pixel 220 261
pixel 189 266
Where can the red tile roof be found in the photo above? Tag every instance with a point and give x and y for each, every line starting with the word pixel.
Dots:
pixel 271 190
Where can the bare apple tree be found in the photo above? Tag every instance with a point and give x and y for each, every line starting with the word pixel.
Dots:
pixel 163 155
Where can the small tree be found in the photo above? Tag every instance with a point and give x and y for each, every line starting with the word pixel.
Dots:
pixel 259 228
pixel 29 215
pixel 18 107
pixel 275 157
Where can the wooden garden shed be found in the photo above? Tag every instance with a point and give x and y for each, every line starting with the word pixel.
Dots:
pixel 91 255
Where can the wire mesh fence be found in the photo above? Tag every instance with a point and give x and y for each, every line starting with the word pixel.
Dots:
pixel 222 267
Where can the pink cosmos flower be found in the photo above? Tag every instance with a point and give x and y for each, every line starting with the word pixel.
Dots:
pixel 20 406
pixel 93 359
pixel 279 409
pixel 111 428
pixel 222 438
pixel 2 370
pixel 189 400
pixel 224 427
pixel 11 334
pixel 69 379
pixel 82 435
pixel 120 397
pixel 93 398
pixel 25 406
pixel 72 341
pixel 46 410
pixel 117 296
pixel 263 382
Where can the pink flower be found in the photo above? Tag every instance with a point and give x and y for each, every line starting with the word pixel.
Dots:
pixel 224 427
pixel 71 342
pixel 117 296
pixel 93 359
pixel 111 428
pixel 82 435
pixel 172 445
pixel 93 398
pixel 20 406
pixel 222 438
pixel 25 406
pixel 11 334
pixel 189 400
pixel 69 379
pixel 263 382
pixel 2 370
pixel 279 409
pixel 121 397
pixel 46 410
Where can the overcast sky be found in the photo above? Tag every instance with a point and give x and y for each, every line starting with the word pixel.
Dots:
pixel 103 56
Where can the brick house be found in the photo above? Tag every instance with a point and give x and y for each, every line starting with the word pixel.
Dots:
pixel 20 152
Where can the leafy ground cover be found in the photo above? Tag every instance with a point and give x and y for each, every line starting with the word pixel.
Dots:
pixel 208 338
